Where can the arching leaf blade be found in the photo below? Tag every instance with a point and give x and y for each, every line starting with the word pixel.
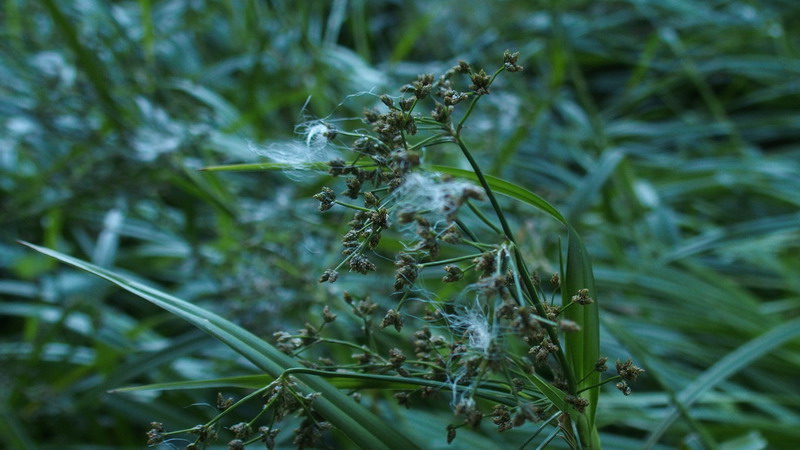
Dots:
pixel 506 188
pixel 363 427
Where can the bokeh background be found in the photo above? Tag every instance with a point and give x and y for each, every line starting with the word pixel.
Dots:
pixel 667 131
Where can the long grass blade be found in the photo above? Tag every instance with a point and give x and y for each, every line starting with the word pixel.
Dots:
pixel 506 188
pixel 363 427
pixel 92 66
pixel 583 346
pixel 12 431
pixel 244 381
pixel 725 367
pixel 340 380
pixel 265 166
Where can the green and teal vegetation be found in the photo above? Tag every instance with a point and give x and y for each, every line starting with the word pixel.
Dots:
pixel 183 174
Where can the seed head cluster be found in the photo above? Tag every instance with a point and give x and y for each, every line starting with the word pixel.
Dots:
pixel 491 326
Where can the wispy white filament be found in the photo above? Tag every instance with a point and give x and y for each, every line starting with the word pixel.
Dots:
pixel 429 192
pixel 314 148
pixel 473 324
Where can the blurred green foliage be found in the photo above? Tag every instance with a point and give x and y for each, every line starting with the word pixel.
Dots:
pixel 667 131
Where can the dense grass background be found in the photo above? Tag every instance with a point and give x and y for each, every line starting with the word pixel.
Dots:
pixel 667 131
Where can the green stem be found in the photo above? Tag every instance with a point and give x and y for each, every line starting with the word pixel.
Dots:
pixel 466 230
pixel 366 136
pixel 493 394
pixel 517 277
pixel 431 144
pixel 587 376
pixel 569 305
pixel 467 114
pixel 537 303
pixel 264 409
pixel 255 393
pixel 351 206
pixel 614 378
pixel 424 141
pixel 448 261
pixel 510 382
pixel 474 101
pixel 483 217
pixel 410 110
pixel 357 250
pixel 433 123
pixel 344 343
pixel 254 439
pixel 402 300
pixel 479 245
pixel 541 427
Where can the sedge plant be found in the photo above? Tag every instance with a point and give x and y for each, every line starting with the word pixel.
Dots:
pixel 461 320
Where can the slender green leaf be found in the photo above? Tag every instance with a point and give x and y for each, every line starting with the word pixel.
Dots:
pixel 582 347
pixel 506 188
pixel 363 427
pixel 337 379
pixel 270 166
pixel 266 166
pixel 555 395
pixel 653 364
pixel 498 184
pixel 90 64
pixel 12 432
pixel 725 367
pixel 741 232
pixel 244 381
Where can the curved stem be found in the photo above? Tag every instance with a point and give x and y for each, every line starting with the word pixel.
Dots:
pixel 526 280
pixel 483 217
pixel 466 230
pixel 488 392
pixel 474 101
pixel 442 262
pixel 352 206
pixel 607 380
